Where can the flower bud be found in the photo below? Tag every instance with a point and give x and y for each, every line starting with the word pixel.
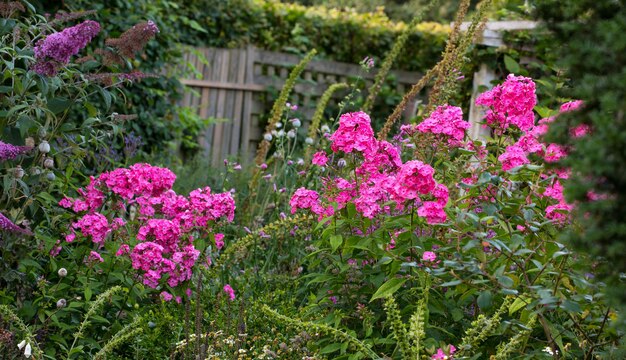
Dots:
pixel 341 163
pixel 309 141
pixel 61 303
pixel 44 147
pixel 279 125
pixel 296 123
pixel 30 142
pixel 280 133
pixel 267 137
pixel 18 172
pixel 48 163
pixel 325 129
pixel 62 272
pixel 291 134
pixel 50 176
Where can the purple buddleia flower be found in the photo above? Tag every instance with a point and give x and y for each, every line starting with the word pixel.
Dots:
pixel 57 49
pixel 10 152
pixel 134 39
pixel 8 226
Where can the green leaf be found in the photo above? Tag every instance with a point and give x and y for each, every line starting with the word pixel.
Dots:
pixel 484 300
pixel 88 293
pixel 336 241
pixel 518 304
pixel 451 283
pixel 58 104
pixel 388 288
pixel 330 348
pixel 511 65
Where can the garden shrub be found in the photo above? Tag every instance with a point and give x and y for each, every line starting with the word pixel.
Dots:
pixel 591 49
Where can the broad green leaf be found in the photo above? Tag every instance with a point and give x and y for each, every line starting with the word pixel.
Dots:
pixel 336 241
pixel 484 299
pixel 511 65
pixel 388 288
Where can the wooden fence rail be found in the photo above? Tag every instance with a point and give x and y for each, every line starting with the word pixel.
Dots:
pixel 232 84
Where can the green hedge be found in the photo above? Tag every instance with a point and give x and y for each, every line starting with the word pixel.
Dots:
pixel 345 36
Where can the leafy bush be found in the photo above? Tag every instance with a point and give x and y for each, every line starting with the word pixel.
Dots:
pixel 591 49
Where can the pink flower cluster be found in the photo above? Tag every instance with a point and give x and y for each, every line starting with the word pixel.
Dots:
pixel 56 50
pixel 446 121
pixel 510 103
pixel 382 177
pixel 164 250
pixel 230 292
pixel 441 355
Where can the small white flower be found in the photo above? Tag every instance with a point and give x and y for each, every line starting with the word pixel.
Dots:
pixel 300 161
pixel 325 129
pixel 44 147
pixel 28 351
pixel 309 141
pixel 279 125
pixel 21 344
pixel 267 137
pixel 291 134
pixel 280 133
pixel 296 123
pixel 62 272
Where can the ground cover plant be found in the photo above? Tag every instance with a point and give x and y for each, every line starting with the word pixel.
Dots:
pixel 357 237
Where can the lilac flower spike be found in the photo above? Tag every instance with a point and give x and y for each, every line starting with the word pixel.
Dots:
pixel 56 50
pixel 10 152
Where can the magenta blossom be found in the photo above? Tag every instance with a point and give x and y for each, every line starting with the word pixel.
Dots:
pixel 229 290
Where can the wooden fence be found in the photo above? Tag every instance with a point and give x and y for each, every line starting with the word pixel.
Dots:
pixel 232 84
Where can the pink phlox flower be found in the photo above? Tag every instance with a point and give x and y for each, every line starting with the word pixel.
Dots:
pixel 219 241
pixel 510 103
pixel 429 256
pixel 230 292
pixel 559 212
pixel 354 133
pixel 554 152
pixel 448 121
pixel 571 106
pixel 413 178
pixel 581 131
pixel 95 225
pixel 320 158
pixel 441 194
pixel 512 157
pixel 95 257
pixel 166 296
pixel 433 212
pixel 529 143
pixel 161 231
pixel 66 202
pixel 441 355
pixel 305 199
pixel 123 250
